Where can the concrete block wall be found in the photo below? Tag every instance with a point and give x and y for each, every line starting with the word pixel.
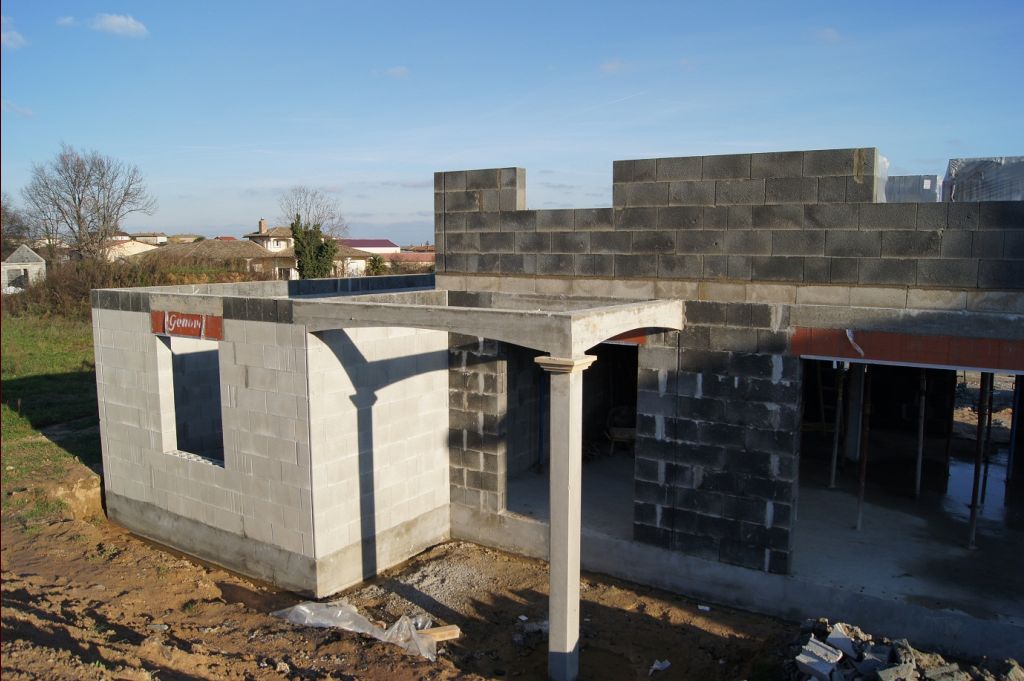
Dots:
pixel 378 404
pixel 718 436
pixel 478 422
pixel 804 218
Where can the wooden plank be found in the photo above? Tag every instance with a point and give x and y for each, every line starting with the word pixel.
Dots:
pixel 442 633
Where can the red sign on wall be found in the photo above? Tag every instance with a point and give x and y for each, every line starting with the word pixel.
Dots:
pixel 166 323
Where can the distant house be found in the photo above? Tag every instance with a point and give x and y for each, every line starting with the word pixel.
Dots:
pixel 22 268
pixel 118 250
pixel 375 246
pixel 350 262
pixel 240 254
pixel 225 238
pixel 417 261
pixel 119 235
pixel 273 239
pixel 154 238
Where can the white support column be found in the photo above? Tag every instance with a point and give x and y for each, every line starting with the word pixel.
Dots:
pixel 566 408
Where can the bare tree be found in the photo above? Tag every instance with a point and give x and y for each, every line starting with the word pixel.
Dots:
pixel 83 198
pixel 315 207
pixel 13 227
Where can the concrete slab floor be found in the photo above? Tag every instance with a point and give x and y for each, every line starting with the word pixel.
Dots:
pixel 607 495
pixel 914 551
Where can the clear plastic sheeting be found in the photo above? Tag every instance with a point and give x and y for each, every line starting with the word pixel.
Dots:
pixel 342 615
pixel 913 189
pixel 998 178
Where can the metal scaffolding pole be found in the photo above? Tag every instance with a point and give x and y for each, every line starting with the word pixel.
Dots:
pixel 983 407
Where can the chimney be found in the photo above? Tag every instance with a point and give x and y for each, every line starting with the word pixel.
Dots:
pixel 263 226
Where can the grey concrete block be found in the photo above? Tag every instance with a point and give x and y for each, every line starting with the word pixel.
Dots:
pixel 1001 274
pixel 741 217
pixel 931 215
pixel 705 312
pixel 739 192
pixel 465 201
pixel 861 190
pixel 680 218
pixel 956 243
pixel 948 273
pixel 831 162
pixel 844 270
pixel 894 271
pixel 777 217
pixel 739 267
pixel 645 170
pixel 791 190
pixel 1013 245
pixel 776 268
pixel 519 221
pixel 482 179
pixel 748 242
pixel 464 242
pixel 654 242
pixel 511 199
pixel 636 218
pixel 604 265
pixel 644 194
pixel 455 181
pixel 907 244
pixel 1001 215
pixel 561 264
pixel 798 242
pixel 726 167
pixel 532 242
pixel 512 178
pixel 716 217
pixel 832 216
pixel 777 164
pixel 479 222
pixel 622 171
pixel 816 270
pixel 831 190
pixel 490 201
pixel 850 243
pixel 694 193
pixel 891 216
pixel 482 263
pixel 963 216
pixel 988 244
pixel 716 267
pixel 570 242
pixel 680 266
pixel 700 241
pixel 455 222
pixel 438 182
pixel 611 242
pixel 562 220
pixel 680 168
pixel 517 264
pixel 497 242
pixel 636 266
pixel 593 219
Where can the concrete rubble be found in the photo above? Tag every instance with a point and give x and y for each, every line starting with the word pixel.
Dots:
pixel 842 652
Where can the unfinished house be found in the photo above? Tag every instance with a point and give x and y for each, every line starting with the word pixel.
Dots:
pixel 738 383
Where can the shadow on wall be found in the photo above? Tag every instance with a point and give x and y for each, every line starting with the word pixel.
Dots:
pixel 381 373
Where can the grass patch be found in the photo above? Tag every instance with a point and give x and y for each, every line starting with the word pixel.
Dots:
pixel 49 414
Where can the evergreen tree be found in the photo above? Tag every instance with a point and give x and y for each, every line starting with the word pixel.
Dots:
pixel 314 256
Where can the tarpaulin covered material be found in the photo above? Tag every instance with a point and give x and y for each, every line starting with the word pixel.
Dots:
pixel 999 178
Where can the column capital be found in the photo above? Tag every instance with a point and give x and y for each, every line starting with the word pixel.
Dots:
pixel 564 365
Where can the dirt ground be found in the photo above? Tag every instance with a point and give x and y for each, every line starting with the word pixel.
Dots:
pixel 84 599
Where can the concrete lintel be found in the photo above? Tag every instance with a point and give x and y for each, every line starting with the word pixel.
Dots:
pixel 559 333
pixel 937 322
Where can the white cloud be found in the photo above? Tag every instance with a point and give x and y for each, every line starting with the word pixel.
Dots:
pixel 612 67
pixel 828 35
pixel 397 72
pixel 9 38
pixel 13 108
pixel 119 24
pixel 65 21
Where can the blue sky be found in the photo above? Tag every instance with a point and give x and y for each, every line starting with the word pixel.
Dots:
pixel 223 105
